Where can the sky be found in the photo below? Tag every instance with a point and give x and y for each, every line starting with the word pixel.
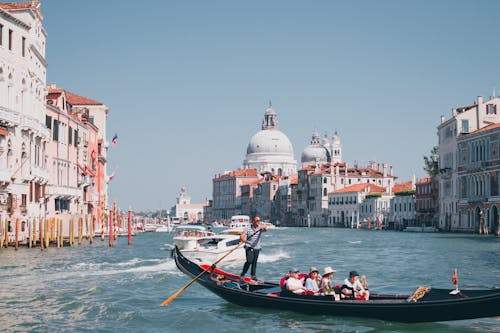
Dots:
pixel 187 83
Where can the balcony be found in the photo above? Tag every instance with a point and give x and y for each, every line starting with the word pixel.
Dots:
pixel 445 173
pixel 63 191
pixel 39 175
pixel 9 117
pixel 5 175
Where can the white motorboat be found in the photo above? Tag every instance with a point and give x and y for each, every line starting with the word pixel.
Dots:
pixel 149 227
pixel 239 223
pixel 211 248
pixel 187 236
pixel 164 228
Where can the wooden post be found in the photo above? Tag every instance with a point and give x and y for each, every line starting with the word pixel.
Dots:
pixel 110 236
pixel 46 233
pixel 30 232
pixel 91 239
pixel 40 225
pixel 130 226
pixel 80 230
pixel 6 240
pixel 58 234
pixel 34 231
pixel 17 234
pixel 61 239
pixel 115 220
pixel 87 231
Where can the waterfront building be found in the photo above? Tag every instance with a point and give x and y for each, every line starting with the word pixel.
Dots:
pixel 248 187
pixel 226 192
pixel 95 113
pixel 263 196
pixel 375 209
pixel 78 181
pixel 315 182
pixel 464 120
pixel 322 152
pixel 283 201
pixel 23 136
pixel 478 172
pixel 402 212
pixel 426 201
pixel 185 211
pixel 344 204
pixel 270 150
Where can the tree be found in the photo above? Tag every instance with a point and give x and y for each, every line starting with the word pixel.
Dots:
pixel 431 162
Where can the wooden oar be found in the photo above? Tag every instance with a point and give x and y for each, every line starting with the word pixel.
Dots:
pixel 178 292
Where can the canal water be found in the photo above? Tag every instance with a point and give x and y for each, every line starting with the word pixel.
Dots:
pixel 94 288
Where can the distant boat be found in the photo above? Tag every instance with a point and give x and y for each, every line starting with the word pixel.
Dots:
pixel 239 223
pixel 149 227
pixel 421 229
pixel 186 237
pixel 164 228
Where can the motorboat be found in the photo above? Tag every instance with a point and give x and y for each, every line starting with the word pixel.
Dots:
pixel 186 236
pixel 210 248
pixel 425 304
pixel 238 224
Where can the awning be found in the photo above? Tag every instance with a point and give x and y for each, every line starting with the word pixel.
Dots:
pixel 4 131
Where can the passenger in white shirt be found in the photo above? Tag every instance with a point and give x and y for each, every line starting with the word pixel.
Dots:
pixel 293 283
pixel 352 285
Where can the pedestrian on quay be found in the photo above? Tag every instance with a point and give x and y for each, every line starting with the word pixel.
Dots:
pixel 251 238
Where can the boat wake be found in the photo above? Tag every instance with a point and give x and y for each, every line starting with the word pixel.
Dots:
pixel 354 242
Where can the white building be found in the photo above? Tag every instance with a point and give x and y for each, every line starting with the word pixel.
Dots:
pixel 185 211
pixel 402 212
pixel 375 209
pixel 23 135
pixel 478 174
pixel 344 205
pixel 270 149
pixel 464 120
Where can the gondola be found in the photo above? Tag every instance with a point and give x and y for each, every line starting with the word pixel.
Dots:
pixel 424 305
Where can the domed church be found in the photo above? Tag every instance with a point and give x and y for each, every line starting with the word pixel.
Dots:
pixel 322 152
pixel 270 149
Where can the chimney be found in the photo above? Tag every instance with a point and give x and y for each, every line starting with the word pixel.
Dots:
pixel 443 119
pixel 479 100
pixel 378 167
pixel 385 169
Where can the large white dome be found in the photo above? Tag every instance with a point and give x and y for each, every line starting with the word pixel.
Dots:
pixel 270 149
pixel 270 141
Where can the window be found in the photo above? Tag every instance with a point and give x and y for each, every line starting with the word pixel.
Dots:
pixel 10 39
pixel 55 133
pixel 465 126
pixel 48 121
pixel 23 46
pixel 1 34
pixel 491 109
pixel 75 142
pixel 70 135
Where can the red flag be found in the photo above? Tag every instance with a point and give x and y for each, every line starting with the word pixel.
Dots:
pixel 114 140
pixel 454 277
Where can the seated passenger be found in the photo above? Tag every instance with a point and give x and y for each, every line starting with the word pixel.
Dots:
pixel 221 280
pixel 326 284
pixel 352 288
pixel 312 282
pixel 293 283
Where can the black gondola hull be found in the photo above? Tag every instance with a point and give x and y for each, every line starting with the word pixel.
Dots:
pixel 440 307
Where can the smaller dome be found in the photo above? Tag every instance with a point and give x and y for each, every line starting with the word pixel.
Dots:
pixel 315 152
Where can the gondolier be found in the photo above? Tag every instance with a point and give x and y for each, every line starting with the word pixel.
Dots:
pixel 251 238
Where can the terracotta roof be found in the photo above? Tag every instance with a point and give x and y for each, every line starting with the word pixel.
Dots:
pixel 424 180
pixel 484 129
pixel 364 187
pixel 80 100
pixel 53 95
pixel 400 187
pixel 239 173
pixel 251 182
pixel 19 5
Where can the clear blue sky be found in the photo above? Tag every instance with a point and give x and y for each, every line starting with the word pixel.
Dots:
pixel 187 82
